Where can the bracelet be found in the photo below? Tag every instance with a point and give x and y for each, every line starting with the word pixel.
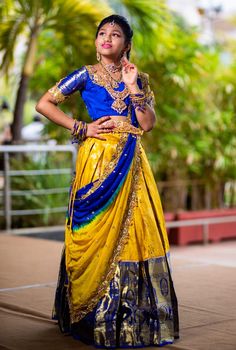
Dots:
pixel 139 101
pixel 79 131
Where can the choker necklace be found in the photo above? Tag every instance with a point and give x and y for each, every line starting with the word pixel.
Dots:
pixel 104 67
pixel 111 67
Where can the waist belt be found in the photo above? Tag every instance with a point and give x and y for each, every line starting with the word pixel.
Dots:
pixel 122 126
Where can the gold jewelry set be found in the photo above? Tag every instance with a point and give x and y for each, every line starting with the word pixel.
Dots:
pixel 106 80
pixel 139 101
pixel 79 131
pixel 110 83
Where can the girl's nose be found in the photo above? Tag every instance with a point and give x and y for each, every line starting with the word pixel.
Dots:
pixel 108 37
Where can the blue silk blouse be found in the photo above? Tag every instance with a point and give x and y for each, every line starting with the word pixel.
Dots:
pixel 95 94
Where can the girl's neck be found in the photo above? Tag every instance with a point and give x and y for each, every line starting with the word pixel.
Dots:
pixel 110 61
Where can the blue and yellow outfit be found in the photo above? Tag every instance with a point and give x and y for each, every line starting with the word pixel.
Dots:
pixel 115 287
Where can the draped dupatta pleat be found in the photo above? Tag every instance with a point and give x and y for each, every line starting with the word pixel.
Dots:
pixel 96 196
pixel 99 216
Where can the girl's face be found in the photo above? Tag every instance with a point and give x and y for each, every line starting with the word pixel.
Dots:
pixel 110 41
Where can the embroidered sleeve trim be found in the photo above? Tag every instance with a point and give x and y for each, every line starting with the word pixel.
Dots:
pixel 147 90
pixel 57 94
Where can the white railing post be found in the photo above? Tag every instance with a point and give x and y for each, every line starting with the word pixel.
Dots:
pixel 7 191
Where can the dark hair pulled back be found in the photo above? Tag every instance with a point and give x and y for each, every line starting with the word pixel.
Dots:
pixel 123 23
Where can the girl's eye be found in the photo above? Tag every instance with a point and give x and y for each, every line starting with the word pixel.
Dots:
pixel 114 34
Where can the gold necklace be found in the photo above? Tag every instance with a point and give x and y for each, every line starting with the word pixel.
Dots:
pixel 109 84
pixel 111 67
pixel 108 72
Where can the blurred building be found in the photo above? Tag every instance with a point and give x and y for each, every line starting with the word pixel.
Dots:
pixel 215 20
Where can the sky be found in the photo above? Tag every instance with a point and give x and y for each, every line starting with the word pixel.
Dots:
pixel 188 7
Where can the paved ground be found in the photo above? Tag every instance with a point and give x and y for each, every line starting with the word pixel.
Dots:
pixel 204 278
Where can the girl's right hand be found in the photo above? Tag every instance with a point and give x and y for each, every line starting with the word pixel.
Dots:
pixel 96 128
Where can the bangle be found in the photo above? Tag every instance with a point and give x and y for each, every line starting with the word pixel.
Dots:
pixel 139 101
pixel 79 131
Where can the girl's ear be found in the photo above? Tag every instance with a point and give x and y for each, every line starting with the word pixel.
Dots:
pixel 128 47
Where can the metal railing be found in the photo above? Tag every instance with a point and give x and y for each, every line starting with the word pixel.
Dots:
pixel 204 222
pixel 7 173
pixel 8 193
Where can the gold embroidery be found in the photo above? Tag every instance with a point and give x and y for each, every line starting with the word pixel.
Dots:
pixel 146 88
pixel 57 94
pixel 109 84
pixel 110 166
pixel 77 315
pixel 119 105
pixel 126 128
pixel 121 126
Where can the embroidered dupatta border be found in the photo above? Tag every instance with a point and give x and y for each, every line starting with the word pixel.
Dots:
pixel 77 315
pixel 87 191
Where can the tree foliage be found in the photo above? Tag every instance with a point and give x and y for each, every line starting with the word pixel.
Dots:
pixel 194 137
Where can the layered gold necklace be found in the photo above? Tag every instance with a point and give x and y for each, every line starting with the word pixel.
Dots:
pixel 111 83
pixel 111 67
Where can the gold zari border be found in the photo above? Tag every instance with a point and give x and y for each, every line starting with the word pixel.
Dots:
pixel 110 166
pixel 147 90
pixel 121 126
pixel 77 315
pixel 109 84
pixel 57 94
pixel 114 159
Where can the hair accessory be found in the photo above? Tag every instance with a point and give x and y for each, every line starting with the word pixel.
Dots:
pixel 79 131
pixel 112 23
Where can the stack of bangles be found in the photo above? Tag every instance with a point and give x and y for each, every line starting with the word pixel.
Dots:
pixel 79 131
pixel 139 101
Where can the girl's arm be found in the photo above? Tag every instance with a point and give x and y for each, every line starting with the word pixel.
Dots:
pixel 147 116
pixel 48 107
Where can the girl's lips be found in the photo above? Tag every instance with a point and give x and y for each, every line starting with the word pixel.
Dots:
pixel 106 46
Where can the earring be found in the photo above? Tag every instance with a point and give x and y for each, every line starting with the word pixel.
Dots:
pixel 124 55
pixel 98 56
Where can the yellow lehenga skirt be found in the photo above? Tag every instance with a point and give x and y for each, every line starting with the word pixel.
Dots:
pixel 115 287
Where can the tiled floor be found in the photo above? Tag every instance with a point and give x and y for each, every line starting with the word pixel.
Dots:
pixel 204 278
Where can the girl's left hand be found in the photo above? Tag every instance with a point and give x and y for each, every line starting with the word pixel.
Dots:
pixel 129 72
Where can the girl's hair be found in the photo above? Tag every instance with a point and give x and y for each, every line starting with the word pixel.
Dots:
pixel 123 23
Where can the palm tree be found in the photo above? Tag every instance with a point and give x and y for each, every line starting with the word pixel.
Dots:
pixel 74 21
pixel 30 18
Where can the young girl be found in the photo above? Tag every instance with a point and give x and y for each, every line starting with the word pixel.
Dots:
pixel 115 287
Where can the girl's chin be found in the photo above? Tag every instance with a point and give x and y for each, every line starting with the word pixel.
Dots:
pixel 107 52
pixel 109 55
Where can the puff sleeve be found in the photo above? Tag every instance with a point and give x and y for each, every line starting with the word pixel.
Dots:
pixel 67 86
pixel 144 78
